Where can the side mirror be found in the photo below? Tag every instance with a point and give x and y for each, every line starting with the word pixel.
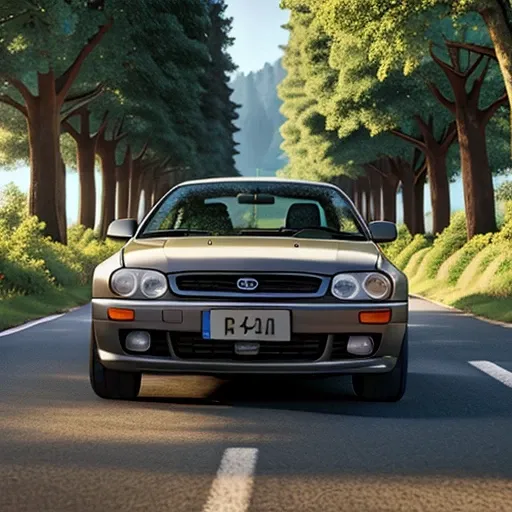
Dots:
pixel 383 231
pixel 122 229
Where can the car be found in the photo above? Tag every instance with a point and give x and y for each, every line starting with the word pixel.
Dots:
pixel 250 276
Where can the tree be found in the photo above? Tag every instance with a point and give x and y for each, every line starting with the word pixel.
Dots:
pixel 38 78
pixel 356 97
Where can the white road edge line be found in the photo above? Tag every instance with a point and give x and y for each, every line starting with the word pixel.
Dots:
pixel 28 325
pixel 232 488
pixel 494 371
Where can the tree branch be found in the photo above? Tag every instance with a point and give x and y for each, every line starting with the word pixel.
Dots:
pixel 93 93
pixel 475 48
pixel 20 87
pixel 138 158
pixel 7 100
pixel 475 65
pixel 66 127
pixel 450 136
pixel 474 94
pixel 450 105
pixel 489 112
pixel 449 70
pixel 415 142
pixel 86 99
pixel 377 170
pixel 65 81
pixel 421 172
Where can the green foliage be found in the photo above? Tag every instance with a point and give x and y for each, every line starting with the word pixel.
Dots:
pixel 447 243
pixel 393 249
pixel 418 243
pixel 505 233
pixel 504 191
pixel 466 254
pixel 13 206
pixel 31 264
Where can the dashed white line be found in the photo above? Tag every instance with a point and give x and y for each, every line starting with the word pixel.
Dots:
pixel 28 325
pixel 494 371
pixel 232 488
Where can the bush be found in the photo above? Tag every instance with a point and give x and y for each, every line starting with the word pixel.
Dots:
pixel 447 243
pixel 418 242
pixel 466 254
pixel 13 206
pixel 504 191
pixel 31 264
pixel 505 233
pixel 393 249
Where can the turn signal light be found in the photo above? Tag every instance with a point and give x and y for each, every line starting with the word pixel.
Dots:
pixel 122 315
pixel 382 316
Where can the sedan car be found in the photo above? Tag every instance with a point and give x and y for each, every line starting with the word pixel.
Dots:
pixel 242 276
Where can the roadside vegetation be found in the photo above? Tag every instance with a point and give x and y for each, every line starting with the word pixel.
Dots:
pixel 474 276
pixel 37 275
pixel 386 97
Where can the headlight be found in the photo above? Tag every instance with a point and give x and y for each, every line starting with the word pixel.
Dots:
pixel 124 283
pixel 345 286
pixel 361 286
pixel 129 282
pixel 153 285
pixel 377 286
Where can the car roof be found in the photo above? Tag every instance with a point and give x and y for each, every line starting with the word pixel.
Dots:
pixel 253 179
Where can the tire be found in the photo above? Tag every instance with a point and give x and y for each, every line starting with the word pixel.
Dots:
pixel 111 384
pixel 385 387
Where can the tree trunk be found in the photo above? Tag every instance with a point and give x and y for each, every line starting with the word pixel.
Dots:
pixel 389 189
pixel 376 192
pixel 419 203
pixel 44 134
pixel 408 193
pixel 356 195
pixel 500 31
pixel 439 189
pixel 86 158
pixel 108 193
pixel 135 191
pixel 123 189
pixel 476 176
pixel 60 201
pixel 471 126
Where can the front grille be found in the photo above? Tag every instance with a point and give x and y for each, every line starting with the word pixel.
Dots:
pixel 339 346
pixel 267 283
pixel 302 347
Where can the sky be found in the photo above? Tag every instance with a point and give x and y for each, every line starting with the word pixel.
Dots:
pixel 257 32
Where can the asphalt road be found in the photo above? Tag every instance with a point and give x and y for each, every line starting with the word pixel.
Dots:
pixel 285 446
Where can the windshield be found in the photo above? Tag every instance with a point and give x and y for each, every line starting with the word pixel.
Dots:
pixel 254 209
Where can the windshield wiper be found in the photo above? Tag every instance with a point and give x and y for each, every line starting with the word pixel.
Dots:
pixel 341 235
pixel 175 233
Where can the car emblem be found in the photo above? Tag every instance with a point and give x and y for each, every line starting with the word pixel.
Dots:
pixel 247 284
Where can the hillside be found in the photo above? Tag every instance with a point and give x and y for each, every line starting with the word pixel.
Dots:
pixel 259 122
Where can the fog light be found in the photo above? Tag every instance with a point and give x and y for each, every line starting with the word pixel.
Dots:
pixel 360 345
pixel 138 341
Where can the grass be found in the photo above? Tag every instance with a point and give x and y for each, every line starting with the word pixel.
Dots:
pixel 488 306
pixel 20 309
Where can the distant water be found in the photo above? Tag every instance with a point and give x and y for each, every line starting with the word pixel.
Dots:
pixel 21 177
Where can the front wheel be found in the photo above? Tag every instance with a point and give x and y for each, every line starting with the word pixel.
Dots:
pixel 384 387
pixel 111 384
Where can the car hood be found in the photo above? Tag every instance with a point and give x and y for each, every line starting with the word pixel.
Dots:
pixel 225 254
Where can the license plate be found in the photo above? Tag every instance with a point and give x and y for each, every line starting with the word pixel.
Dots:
pixel 247 325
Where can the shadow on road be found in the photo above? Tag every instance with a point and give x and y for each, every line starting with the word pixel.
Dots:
pixel 428 396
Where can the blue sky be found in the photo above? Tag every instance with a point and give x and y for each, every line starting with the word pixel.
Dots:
pixel 257 32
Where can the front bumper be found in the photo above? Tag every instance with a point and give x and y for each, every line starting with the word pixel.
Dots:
pixel 167 317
